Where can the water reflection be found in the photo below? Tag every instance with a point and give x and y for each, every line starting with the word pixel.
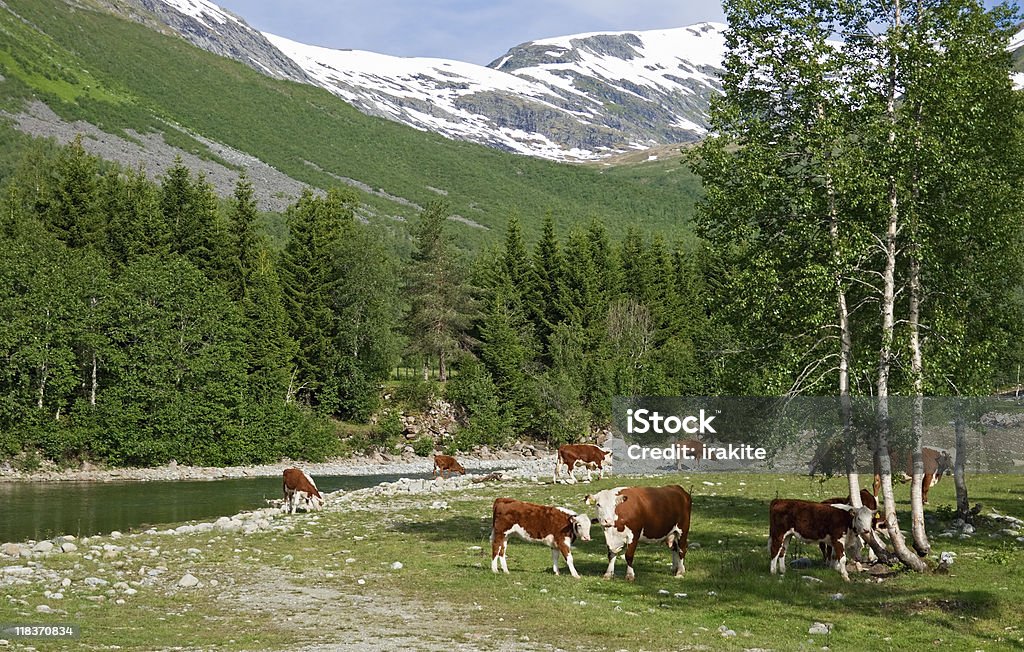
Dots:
pixel 41 510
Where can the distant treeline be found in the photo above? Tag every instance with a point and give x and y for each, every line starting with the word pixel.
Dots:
pixel 142 322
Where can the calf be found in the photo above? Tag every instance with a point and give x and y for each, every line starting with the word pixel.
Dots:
pixel 588 455
pixel 447 463
pixel 831 524
pixel 555 527
pixel 300 488
pixel 936 464
pixel 878 523
pixel 630 515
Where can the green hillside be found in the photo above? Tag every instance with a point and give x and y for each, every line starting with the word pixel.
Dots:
pixel 92 65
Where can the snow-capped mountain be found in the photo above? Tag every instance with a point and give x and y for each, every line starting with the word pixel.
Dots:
pixel 569 98
pixel 574 97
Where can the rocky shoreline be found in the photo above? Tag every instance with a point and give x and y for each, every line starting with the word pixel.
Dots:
pixel 378 464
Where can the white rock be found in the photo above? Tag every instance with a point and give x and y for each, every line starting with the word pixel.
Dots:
pixel 837 596
pixel 66 582
pixel 43 546
pixel 116 535
pixel 396 565
pixel 680 595
pixel 95 581
pixel 188 581
pixel 820 628
pixel 810 578
pixel 43 609
pixel 11 549
pixel 360 582
pixel 662 592
pixel 130 591
pixel 67 546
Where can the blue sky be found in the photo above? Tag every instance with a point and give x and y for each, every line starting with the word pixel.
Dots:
pixel 477 31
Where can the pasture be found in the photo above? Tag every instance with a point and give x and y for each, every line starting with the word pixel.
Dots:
pixel 330 583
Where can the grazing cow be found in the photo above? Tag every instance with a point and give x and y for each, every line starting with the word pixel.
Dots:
pixel 695 449
pixel 878 523
pixel 588 455
pixel 630 515
pixel 300 488
pixel 831 524
pixel 936 464
pixel 447 463
pixel 556 527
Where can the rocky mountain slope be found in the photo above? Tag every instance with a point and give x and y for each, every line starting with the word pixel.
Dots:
pixel 576 97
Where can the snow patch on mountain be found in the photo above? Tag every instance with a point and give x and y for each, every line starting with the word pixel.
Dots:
pixel 201 9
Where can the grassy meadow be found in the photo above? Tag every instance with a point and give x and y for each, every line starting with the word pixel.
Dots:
pixel 329 581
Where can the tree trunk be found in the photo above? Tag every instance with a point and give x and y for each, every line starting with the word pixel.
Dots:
pixel 885 350
pixel 921 544
pixel 442 367
pixel 845 350
pixel 963 506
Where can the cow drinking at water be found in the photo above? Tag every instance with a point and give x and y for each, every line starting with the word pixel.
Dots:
pixel 300 488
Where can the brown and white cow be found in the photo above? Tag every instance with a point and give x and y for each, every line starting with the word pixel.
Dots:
pixel 835 525
pixel 936 464
pixel 878 524
pixel 556 527
pixel 447 463
pixel 630 515
pixel 300 488
pixel 590 456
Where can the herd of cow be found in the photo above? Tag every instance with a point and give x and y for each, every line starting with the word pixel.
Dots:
pixel 631 515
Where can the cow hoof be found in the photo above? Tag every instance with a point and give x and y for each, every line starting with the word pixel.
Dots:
pixel 608 576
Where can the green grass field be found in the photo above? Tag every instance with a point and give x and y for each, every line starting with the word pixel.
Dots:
pixel 302 588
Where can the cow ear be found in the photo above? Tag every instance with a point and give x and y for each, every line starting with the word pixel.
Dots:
pixel 845 508
pixel 588 500
pixel 620 499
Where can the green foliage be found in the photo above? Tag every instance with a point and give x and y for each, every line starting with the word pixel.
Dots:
pixel 388 430
pixel 423 446
pixel 483 422
pixel 417 395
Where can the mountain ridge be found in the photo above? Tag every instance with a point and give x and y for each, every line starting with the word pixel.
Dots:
pixel 578 97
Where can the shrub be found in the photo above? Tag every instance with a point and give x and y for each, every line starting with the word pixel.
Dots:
pixel 423 446
pixel 417 394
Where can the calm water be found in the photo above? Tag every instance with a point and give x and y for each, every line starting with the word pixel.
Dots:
pixel 40 510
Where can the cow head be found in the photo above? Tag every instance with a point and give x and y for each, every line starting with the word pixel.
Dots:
pixel 863 518
pixel 945 461
pixel 581 526
pixel 607 502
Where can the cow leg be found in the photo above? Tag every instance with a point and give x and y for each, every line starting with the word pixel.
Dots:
pixel 876 485
pixel 630 551
pixel 826 553
pixel 567 553
pixel 777 552
pixel 840 555
pixel 600 471
pixel 926 484
pixel 590 477
pixel 678 561
pixel 572 472
pixel 558 470
pixel 554 559
pixel 610 573
pixel 497 549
